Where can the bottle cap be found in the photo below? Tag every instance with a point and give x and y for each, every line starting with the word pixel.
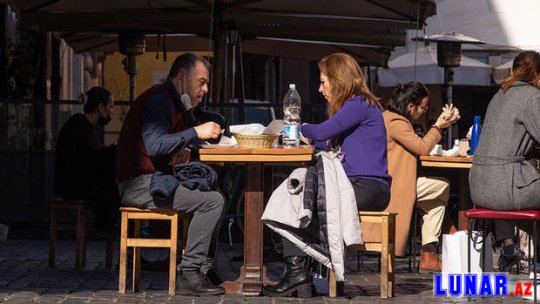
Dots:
pixel 292 86
pixel 477 118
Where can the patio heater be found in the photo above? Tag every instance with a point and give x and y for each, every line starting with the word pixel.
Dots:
pixel 449 57
pixel 131 44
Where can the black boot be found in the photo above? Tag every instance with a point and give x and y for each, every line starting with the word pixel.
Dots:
pixel 297 278
pixel 194 283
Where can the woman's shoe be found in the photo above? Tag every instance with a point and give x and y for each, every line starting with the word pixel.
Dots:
pixel 296 279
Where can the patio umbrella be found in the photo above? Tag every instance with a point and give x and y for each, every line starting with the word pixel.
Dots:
pixel 500 72
pixel 366 29
pixel 341 24
pixel 401 69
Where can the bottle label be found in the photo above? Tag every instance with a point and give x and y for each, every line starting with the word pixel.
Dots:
pixel 291 132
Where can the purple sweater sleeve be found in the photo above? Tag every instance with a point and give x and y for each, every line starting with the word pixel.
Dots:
pixel 345 119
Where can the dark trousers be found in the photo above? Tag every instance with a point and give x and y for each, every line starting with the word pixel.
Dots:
pixel 370 195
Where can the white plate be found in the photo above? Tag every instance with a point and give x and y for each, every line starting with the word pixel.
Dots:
pixel 217 146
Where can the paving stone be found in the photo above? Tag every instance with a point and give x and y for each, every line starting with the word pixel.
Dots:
pixel 25 276
pixel 208 300
pixel 288 300
pixel 260 300
pixel 233 299
pixel 76 300
pixel 47 300
pixel 182 300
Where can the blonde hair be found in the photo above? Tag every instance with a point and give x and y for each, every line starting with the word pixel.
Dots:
pixel 346 80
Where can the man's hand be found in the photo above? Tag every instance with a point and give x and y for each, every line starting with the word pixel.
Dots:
pixel 208 130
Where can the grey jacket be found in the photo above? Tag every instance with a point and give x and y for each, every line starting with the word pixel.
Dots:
pixel 285 213
pixel 504 175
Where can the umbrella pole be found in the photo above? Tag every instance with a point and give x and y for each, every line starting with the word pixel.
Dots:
pixel 448 82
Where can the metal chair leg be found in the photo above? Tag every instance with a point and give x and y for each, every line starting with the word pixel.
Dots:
pixel 470 223
pixel 534 258
pixel 412 245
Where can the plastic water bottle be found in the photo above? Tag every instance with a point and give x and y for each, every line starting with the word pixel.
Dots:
pixel 475 134
pixel 291 118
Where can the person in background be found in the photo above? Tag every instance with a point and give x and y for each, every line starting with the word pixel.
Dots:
pixel 407 104
pixel 85 167
pixel 155 136
pixel 504 174
pixel 355 130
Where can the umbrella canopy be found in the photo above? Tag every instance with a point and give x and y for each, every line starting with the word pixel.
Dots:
pixel 423 67
pixel 500 72
pixel 368 29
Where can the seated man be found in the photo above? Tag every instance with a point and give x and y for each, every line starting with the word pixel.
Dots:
pixel 154 136
pixel 85 168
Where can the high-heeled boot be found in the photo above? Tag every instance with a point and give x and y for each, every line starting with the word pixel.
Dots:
pixel 296 279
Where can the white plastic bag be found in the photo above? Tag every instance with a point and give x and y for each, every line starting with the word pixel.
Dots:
pixel 454 254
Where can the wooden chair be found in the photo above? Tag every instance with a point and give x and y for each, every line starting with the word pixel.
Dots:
pixel 386 247
pixel 137 215
pixel 81 209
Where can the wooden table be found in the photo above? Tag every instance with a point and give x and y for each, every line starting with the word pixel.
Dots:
pixel 252 273
pixel 457 162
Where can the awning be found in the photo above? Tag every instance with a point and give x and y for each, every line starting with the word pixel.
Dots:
pixel 367 29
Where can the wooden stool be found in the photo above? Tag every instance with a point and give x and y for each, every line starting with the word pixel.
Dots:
pixel 137 215
pixel 81 208
pixel 386 247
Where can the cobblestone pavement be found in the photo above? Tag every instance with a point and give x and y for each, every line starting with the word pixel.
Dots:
pixel 26 278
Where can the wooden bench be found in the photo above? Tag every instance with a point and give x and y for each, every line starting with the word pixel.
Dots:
pixel 137 215
pixel 386 247
pixel 81 209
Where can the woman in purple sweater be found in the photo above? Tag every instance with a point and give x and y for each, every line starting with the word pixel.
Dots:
pixel 356 131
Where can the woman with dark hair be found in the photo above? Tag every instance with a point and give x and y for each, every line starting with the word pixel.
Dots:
pixel 408 103
pixel 504 174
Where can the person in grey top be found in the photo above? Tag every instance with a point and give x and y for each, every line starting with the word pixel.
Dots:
pixel 504 174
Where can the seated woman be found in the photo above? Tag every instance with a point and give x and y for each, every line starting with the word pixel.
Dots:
pixel 504 174
pixel 356 131
pixel 408 103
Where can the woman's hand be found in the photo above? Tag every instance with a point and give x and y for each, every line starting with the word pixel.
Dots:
pixel 444 123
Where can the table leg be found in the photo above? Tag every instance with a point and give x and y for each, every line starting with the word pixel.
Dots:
pixel 251 274
pixel 465 202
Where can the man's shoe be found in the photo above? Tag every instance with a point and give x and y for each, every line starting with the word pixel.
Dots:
pixel 212 275
pixel 194 283
pixel 429 262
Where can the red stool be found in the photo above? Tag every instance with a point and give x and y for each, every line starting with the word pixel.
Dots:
pixel 519 215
